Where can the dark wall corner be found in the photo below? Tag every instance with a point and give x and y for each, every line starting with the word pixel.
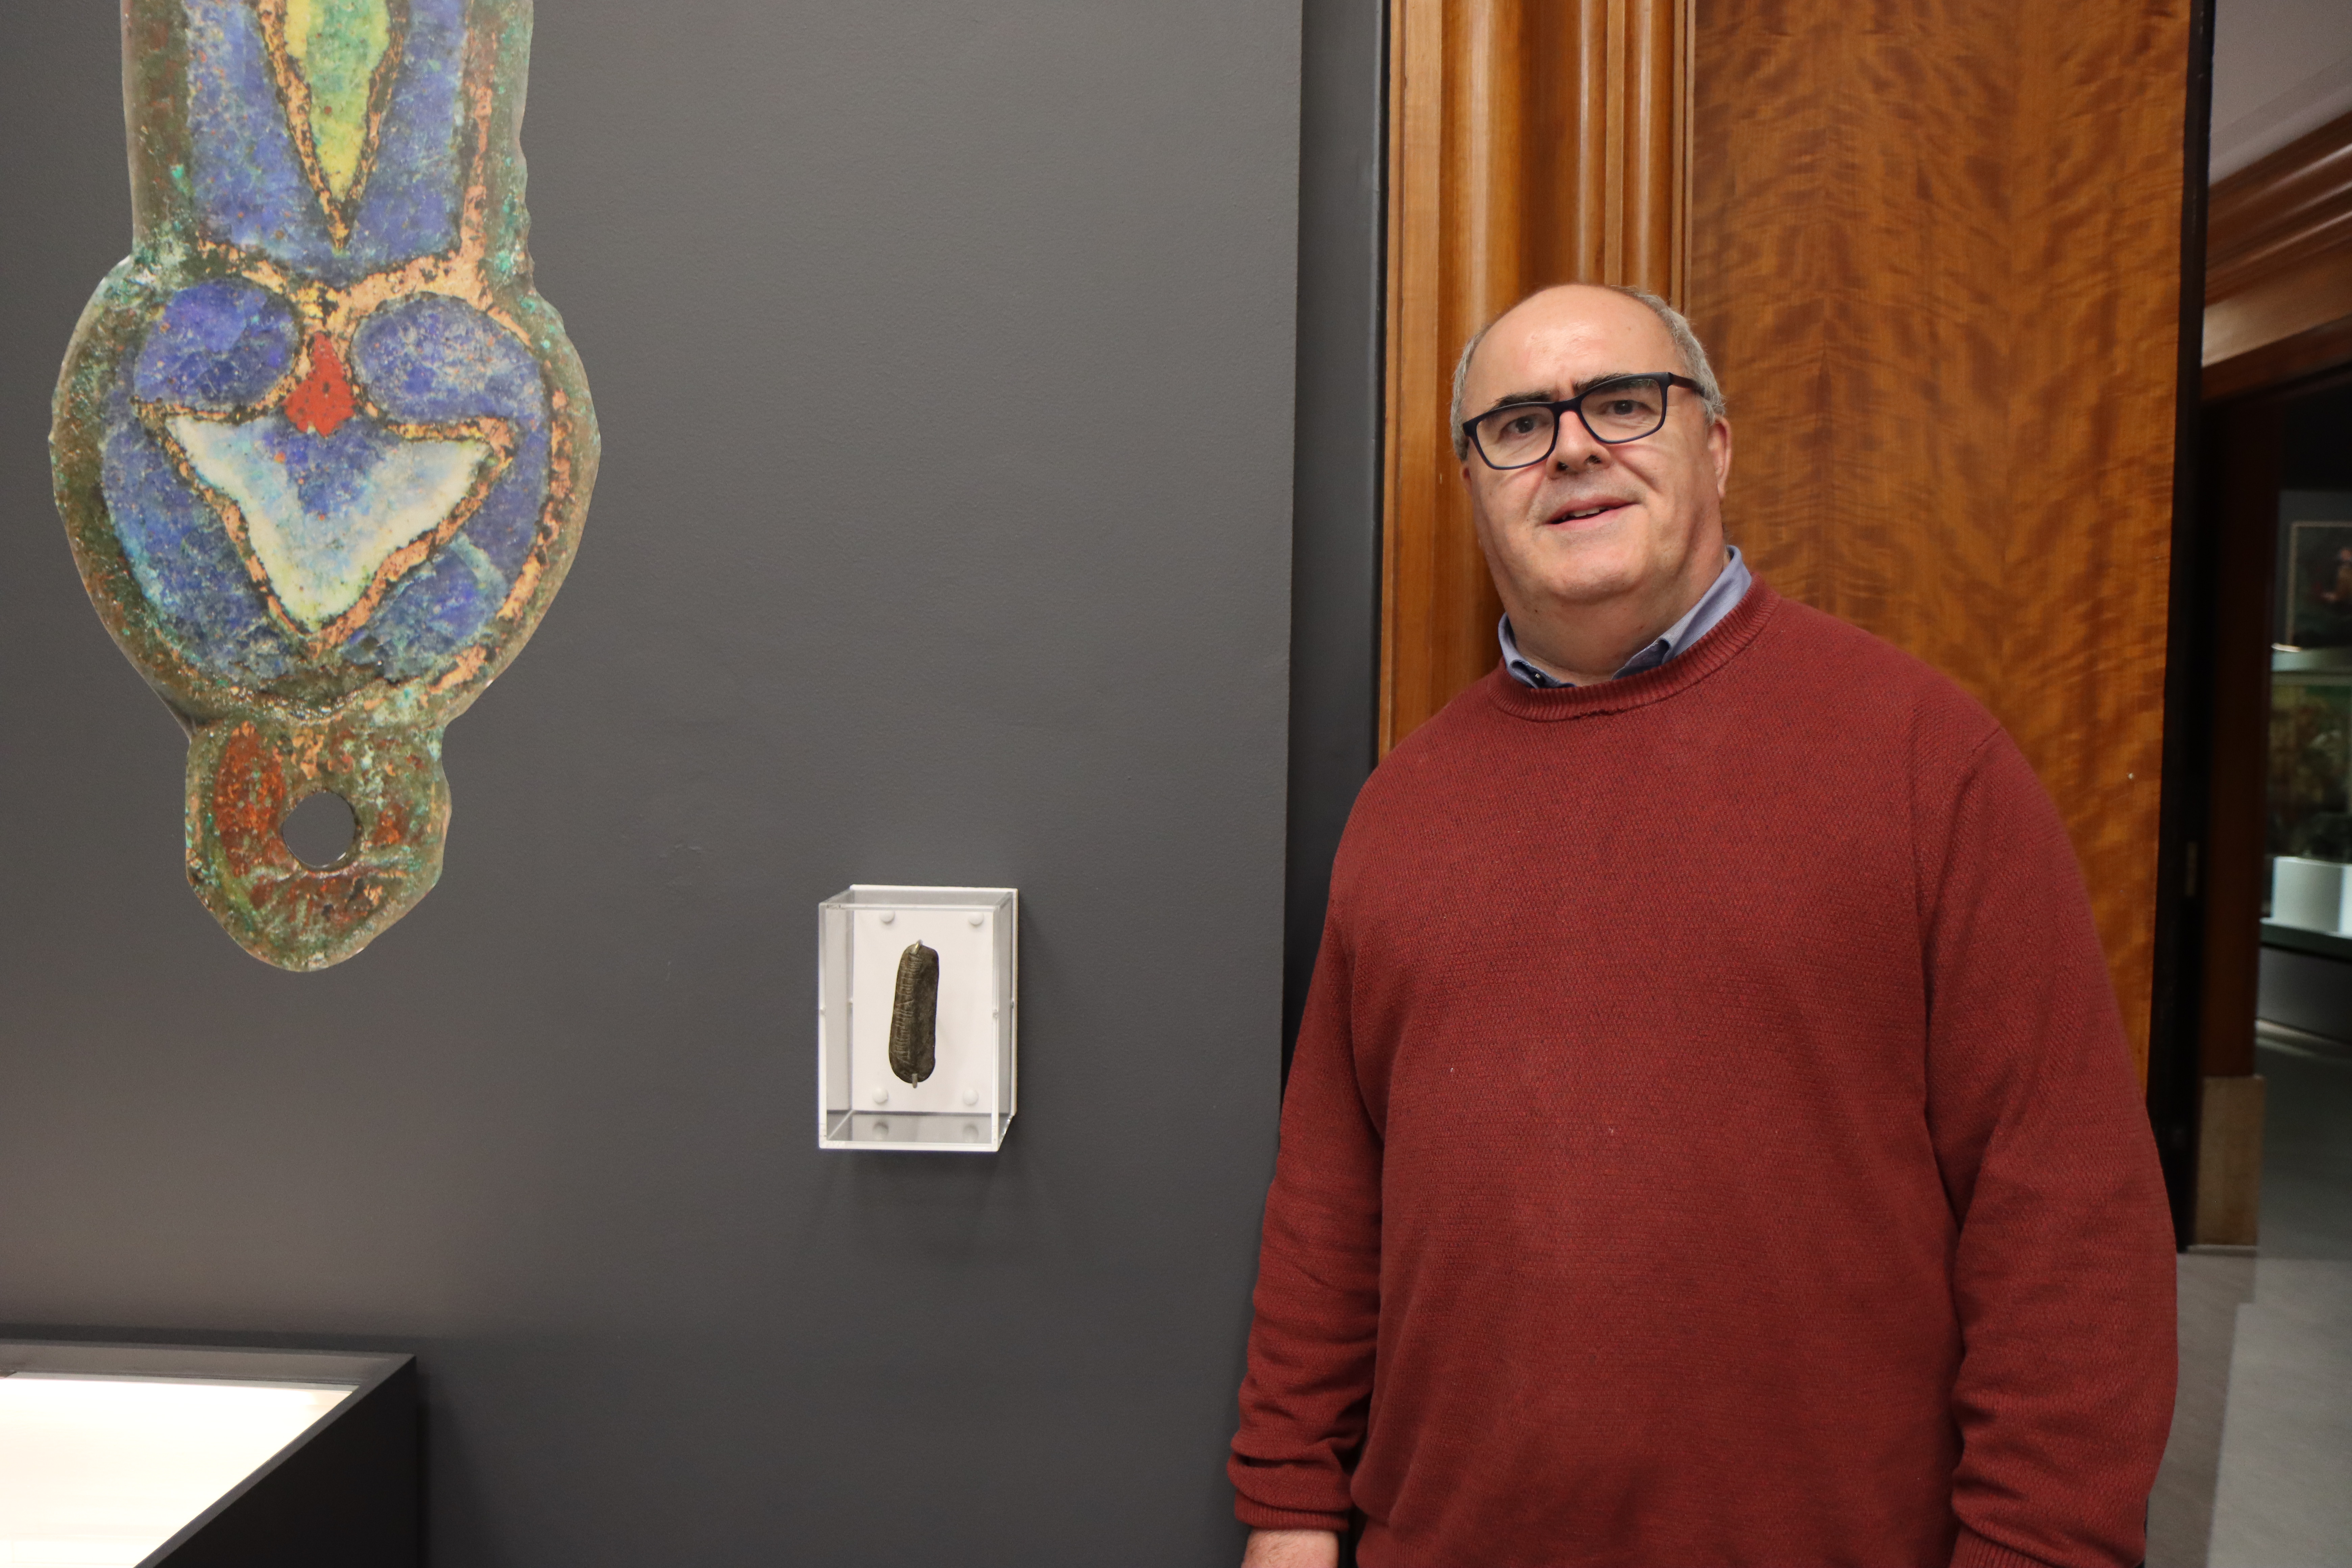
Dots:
pixel 1336 489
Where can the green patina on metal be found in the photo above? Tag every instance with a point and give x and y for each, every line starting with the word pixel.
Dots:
pixel 322 452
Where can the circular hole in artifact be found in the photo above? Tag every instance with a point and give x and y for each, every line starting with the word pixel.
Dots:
pixel 320 829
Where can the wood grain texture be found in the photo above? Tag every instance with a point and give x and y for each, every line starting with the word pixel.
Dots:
pixel 1533 142
pixel 2290 358
pixel 2280 211
pixel 2092 443
pixel 2314 294
pixel 2230 1162
pixel 1936 256
pixel 2278 265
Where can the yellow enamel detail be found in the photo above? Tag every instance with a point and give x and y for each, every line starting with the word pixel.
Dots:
pixel 336 45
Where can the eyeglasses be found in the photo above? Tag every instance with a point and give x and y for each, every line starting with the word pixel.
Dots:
pixel 1621 409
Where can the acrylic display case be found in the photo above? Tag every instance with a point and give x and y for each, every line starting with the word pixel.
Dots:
pixel 914 1052
pixel 168 1456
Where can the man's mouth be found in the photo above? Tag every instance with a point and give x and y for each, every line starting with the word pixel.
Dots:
pixel 1585 511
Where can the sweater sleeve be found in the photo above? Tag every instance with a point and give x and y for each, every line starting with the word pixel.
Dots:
pixel 1305 1396
pixel 2063 1272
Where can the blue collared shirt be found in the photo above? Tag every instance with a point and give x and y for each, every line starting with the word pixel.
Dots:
pixel 1730 586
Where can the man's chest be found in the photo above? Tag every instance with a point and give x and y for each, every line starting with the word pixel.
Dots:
pixel 1541 942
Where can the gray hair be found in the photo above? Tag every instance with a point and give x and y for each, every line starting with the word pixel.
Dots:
pixel 1686 345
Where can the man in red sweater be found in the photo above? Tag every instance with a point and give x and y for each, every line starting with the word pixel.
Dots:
pixel 1712 1141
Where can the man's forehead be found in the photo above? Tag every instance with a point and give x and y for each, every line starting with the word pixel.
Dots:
pixel 1573 334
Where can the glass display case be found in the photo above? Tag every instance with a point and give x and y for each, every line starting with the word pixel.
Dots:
pixel 2310 794
pixel 2311 755
pixel 917 997
pixel 167 1457
pixel 2310 791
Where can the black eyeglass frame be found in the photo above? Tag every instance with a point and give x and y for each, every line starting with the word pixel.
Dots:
pixel 1576 404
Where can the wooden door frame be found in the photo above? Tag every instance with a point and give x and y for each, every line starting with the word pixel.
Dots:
pixel 2177 988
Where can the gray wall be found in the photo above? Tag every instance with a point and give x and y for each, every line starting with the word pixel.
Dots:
pixel 555 1131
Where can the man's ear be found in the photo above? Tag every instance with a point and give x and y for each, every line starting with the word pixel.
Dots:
pixel 1718 451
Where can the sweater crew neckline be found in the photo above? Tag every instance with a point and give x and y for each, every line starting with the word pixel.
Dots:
pixel 1718 647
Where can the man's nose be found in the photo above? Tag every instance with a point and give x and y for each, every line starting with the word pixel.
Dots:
pixel 1574 447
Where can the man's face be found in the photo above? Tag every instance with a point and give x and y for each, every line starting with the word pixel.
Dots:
pixel 1591 522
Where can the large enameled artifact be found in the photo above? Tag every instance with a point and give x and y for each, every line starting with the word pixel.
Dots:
pixel 322 451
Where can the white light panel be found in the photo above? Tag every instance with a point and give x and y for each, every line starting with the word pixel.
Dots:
pixel 97 1472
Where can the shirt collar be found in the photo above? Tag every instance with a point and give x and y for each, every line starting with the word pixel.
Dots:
pixel 1729 587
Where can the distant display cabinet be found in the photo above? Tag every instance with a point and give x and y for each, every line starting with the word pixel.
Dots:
pixel 2311 787
pixel 917 998
pixel 2310 724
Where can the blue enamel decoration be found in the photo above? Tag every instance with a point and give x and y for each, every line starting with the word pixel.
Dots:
pixel 322 452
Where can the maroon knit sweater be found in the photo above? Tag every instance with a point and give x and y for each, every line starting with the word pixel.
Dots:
pixel 1712 1142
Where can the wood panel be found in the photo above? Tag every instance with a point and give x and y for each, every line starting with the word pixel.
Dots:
pixel 1935 254
pixel 2279 210
pixel 1534 142
pixel 2092 445
pixel 2278 265
pixel 2230 1162
pixel 2298 354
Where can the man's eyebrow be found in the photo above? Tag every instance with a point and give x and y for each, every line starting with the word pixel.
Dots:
pixel 1543 394
pixel 1590 382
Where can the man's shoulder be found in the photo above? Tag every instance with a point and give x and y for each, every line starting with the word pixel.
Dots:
pixel 1459 734
pixel 1845 675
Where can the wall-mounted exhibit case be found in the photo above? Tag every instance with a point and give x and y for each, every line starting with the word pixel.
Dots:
pixel 322 451
pixel 917 994
pixel 148 1456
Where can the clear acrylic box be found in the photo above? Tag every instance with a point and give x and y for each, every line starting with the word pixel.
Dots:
pixel 966 1103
